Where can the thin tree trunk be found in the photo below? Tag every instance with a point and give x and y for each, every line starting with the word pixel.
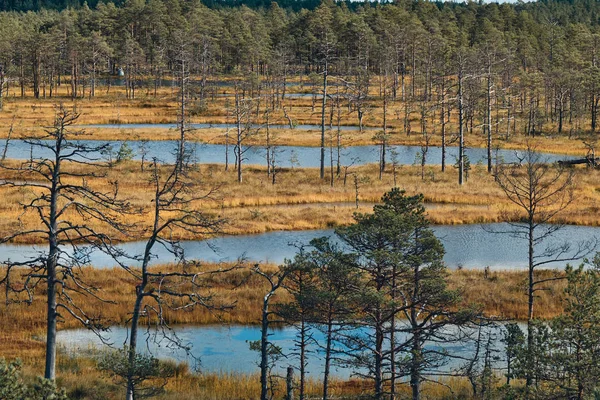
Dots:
pixel 51 265
pixel 93 86
pixel 239 139
pixel 227 150
pixel 339 137
pixel 324 105
pixel 264 342
pixel 416 356
pixel 181 150
pixel 10 131
pixel 140 293
pixel 530 296
pixel 393 338
pixel 378 359
pixel 289 380
pixel 303 330
pixel 384 138
pixel 133 338
pixel 327 358
pixel 415 373
pixel 489 120
pixel 50 371
pixel 2 81
pixel 461 143
pixel 268 146
pixel 443 125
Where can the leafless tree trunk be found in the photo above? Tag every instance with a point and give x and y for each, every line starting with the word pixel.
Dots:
pixel 384 137
pixel 172 209
pixel 541 192
pixel 245 128
pixel 52 199
pixel 443 120
pixel 3 83
pixel 323 110
pixel 183 58
pixel 426 139
pixel 7 142
pixel 239 137
pixel 488 116
pixel 275 280
pixel 461 137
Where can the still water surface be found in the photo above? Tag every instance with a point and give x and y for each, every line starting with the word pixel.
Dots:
pixel 286 156
pixel 225 348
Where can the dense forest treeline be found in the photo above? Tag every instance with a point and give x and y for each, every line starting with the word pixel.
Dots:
pixel 535 62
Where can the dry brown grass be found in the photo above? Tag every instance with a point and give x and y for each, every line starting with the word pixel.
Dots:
pixel 300 200
pixel 113 107
pixel 27 321
pixel 501 293
pixel 83 381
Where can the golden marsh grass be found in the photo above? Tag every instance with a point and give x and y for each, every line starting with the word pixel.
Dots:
pixel 301 200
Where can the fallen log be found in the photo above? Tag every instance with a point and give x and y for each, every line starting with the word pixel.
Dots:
pixel 589 161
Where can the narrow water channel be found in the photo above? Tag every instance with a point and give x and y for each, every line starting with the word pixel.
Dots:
pixel 285 156
pixel 467 246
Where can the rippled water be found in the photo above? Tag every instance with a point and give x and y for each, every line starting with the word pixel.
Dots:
pixel 468 246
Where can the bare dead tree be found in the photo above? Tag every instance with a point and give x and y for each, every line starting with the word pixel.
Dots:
pixel 541 192
pixel 3 84
pixel 358 94
pixel 424 111
pixel 271 137
pixel 445 108
pixel 245 128
pixel 335 137
pixel 320 26
pixel 338 134
pixel 290 121
pixel 382 137
pixel 230 113
pixel 174 207
pixel 8 137
pixel 275 280
pixel 463 60
pixel 65 211
pixel 143 152
pixel 183 58
pixel 461 121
